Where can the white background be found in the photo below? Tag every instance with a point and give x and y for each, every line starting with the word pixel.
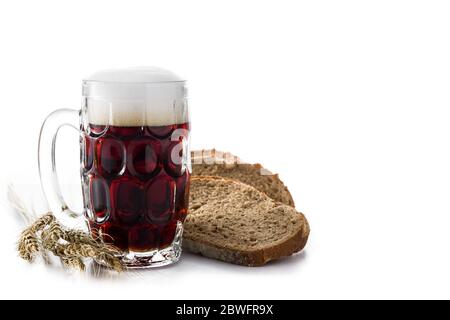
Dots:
pixel 348 101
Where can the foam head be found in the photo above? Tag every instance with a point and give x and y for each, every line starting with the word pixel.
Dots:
pixel 141 96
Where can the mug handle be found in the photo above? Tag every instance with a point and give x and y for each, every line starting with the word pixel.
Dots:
pixel 47 165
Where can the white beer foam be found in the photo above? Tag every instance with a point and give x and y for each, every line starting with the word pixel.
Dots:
pixel 135 97
pixel 134 75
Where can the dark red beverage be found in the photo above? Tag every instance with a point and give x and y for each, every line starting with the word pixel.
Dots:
pixel 136 184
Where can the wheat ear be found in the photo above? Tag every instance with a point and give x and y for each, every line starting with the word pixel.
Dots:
pixel 28 245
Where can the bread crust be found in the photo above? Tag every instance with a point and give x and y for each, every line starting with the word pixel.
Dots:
pixel 224 164
pixel 251 257
pixel 254 258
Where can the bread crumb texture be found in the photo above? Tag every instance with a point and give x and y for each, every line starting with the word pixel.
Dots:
pixel 226 165
pixel 234 222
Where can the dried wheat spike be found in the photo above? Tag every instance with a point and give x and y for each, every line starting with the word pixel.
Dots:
pixel 70 245
pixel 51 235
pixel 28 245
pixel 82 250
pixel 42 222
pixel 73 262
pixel 109 260
pixel 29 242
pixel 79 250
pixel 77 236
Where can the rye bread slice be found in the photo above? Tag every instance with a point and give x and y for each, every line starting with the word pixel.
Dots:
pixel 233 222
pixel 224 164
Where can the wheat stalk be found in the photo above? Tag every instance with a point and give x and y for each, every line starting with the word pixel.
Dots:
pixel 72 263
pixel 51 235
pixel 77 236
pixel 18 205
pixel 83 250
pixel 71 246
pixel 42 222
pixel 28 245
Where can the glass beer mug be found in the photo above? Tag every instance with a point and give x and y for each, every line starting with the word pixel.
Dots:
pixel 135 162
